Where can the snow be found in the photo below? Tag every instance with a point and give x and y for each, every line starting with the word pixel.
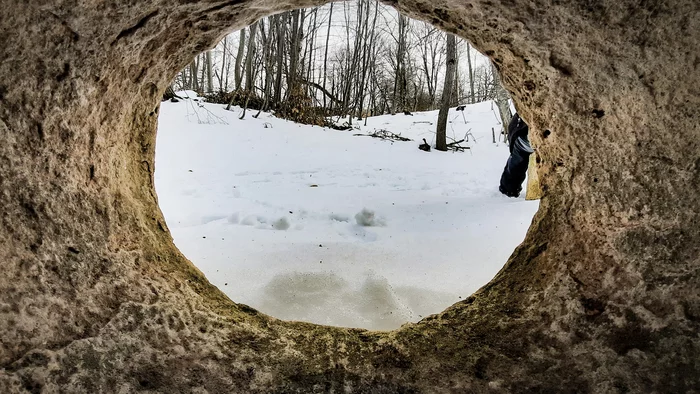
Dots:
pixel 306 223
pixel 187 94
pixel 368 218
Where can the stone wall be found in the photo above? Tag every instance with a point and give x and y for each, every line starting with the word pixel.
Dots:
pixel 602 296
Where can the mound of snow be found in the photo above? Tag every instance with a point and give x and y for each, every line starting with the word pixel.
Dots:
pixel 338 217
pixel 249 221
pixel 368 218
pixel 234 218
pixel 281 224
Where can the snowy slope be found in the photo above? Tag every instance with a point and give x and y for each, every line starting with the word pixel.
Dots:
pixel 267 210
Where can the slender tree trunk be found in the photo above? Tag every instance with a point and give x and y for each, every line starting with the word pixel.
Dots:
pixel 245 106
pixel 325 54
pixel 367 52
pixel 441 138
pixel 203 75
pixel 501 102
pixel 237 72
pixel 228 68
pixel 250 55
pixel 223 66
pixel 354 66
pixel 429 68
pixel 471 74
pixel 456 93
pixel 294 52
pixel 333 89
pixel 194 74
pixel 311 53
pixel 267 50
pixel 210 80
pixel 280 19
pixel 400 77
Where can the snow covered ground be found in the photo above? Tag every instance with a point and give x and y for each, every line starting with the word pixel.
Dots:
pixel 311 224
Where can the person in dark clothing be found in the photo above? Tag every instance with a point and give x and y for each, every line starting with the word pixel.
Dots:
pixel 520 151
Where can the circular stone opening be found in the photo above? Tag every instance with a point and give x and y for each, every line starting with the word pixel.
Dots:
pixel 342 221
pixel 601 295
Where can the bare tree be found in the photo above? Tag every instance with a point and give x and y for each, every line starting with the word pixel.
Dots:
pixel 441 138
pixel 472 98
pixel 193 74
pixel 297 20
pixel 431 52
pixel 250 55
pixel 367 52
pixel 325 54
pixel 268 64
pixel 502 102
pixel 237 72
pixel 288 62
pixel 279 22
pixel 210 80
pixel 399 94
pixel 223 80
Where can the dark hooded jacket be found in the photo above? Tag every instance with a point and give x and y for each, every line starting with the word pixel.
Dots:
pixel 516 128
pixel 520 150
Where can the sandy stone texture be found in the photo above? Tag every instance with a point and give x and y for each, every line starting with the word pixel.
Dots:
pixel 602 296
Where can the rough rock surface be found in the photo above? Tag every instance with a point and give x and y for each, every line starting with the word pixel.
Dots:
pixel 601 297
pixel 533 191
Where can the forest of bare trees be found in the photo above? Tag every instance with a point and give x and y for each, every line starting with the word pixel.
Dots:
pixel 348 60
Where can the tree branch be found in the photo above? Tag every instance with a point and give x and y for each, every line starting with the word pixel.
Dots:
pixel 322 89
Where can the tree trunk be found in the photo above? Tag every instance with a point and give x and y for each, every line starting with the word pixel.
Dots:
pixel 223 81
pixel 471 74
pixel 441 137
pixel 249 57
pixel 311 52
pixel 400 68
pixel 325 54
pixel 294 52
pixel 203 74
pixel 210 80
pixel 279 22
pixel 502 102
pixel 457 92
pixel 367 58
pixel 267 61
pixel 193 75
pixel 237 72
